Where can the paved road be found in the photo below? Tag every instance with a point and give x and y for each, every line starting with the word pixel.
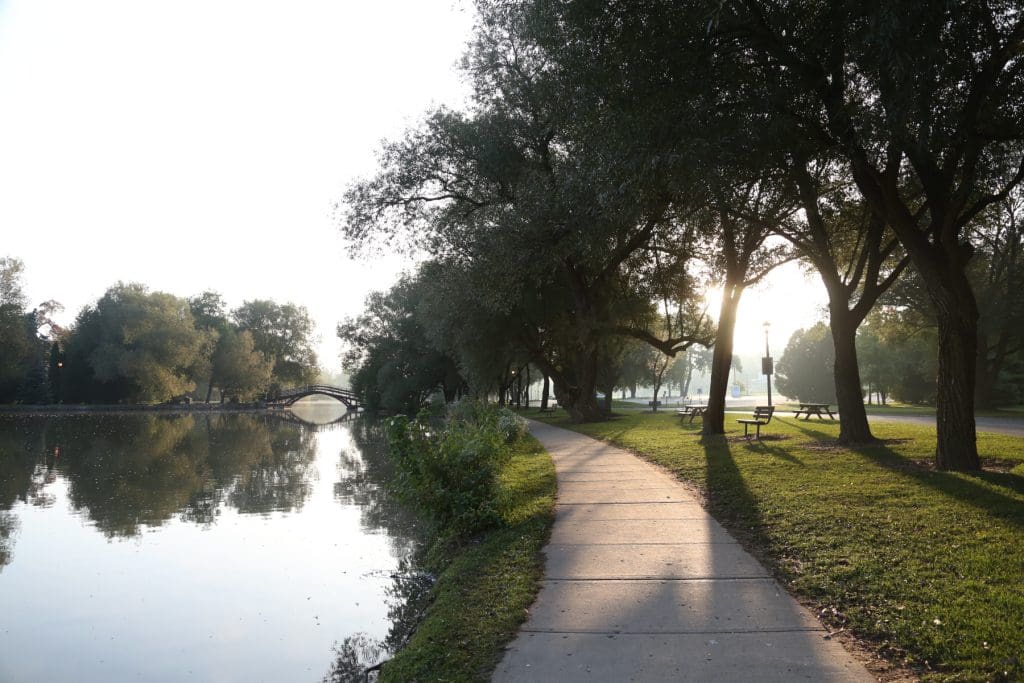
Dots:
pixel 999 425
pixel 641 584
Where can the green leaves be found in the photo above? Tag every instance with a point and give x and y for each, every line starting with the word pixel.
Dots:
pixel 450 470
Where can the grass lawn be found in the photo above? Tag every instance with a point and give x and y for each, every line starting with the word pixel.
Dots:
pixel 926 566
pixel 484 588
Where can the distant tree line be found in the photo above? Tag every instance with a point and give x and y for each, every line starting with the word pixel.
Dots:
pixel 616 159
pixel 138 346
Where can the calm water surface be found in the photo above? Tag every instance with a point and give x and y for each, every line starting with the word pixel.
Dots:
pixel 196 548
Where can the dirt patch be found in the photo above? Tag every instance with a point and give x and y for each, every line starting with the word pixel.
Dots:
pixel 825 446
pixel 997 465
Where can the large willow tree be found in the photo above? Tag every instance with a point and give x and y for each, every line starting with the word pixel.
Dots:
pixel 544 211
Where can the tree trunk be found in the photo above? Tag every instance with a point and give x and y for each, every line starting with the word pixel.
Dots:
pixel 721 361
pixel 957 313
pixel 545 392
pixel 632 390
pixel 853 419
pixel 528 383
pixel 608 391
pixel 580 399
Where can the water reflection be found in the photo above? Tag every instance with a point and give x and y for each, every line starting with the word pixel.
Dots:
pixel 126 472
pixel 251 536
pixel 359 656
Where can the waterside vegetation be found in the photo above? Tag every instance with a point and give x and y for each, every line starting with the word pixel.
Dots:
pixel 489 490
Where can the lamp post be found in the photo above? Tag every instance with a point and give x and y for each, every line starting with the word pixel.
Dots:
pixel 766 362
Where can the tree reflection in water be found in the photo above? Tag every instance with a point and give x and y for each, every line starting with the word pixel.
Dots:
pixel 364 473
pixel 357 656
pixel 128 471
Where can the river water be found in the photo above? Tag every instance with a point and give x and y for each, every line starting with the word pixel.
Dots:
pixel 202 547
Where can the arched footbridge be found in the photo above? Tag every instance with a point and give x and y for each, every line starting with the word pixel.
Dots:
pixel 287 397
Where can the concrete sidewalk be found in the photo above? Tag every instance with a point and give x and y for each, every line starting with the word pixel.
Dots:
pixel 642 585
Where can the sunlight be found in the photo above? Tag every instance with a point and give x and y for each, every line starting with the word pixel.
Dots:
pixel 788 298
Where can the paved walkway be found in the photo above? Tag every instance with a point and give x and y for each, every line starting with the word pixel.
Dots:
pixel 641 584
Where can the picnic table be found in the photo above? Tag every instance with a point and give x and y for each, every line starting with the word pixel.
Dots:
pixel 808 409
pixel 692 411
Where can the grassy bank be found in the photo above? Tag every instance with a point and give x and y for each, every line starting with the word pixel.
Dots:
pixel 484 587
pixel 926 567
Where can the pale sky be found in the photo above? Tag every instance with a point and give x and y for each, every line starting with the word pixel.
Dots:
pixel 197 145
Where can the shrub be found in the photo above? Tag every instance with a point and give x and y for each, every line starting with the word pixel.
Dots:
pixel 449 469
pixel 511 426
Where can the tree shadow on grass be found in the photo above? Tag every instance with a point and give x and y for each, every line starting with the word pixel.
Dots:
pixel 965 487
pixel 805 428
pixel 729 499
pixel 765 447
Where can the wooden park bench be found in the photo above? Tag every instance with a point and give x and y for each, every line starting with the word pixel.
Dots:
pixel 552 407
pixel 762 416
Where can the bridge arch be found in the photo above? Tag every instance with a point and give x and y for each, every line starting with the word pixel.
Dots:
pixel 287 397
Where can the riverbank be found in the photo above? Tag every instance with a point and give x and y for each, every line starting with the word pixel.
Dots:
pixel 922 567
pixel 484 587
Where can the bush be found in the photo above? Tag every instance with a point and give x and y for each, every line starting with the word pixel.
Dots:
pixel 511 426
pixel 449 469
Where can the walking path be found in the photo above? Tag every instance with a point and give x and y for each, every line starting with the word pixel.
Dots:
pixel 641 584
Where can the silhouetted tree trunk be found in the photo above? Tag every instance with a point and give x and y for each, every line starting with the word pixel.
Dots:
pixel 853 418
pixel 956 447
pixel 721 360
pixel 545 392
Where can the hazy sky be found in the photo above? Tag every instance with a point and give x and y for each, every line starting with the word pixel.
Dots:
pixel 196 145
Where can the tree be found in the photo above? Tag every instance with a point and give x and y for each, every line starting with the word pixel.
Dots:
pixel 878 363
pixel 15 340
pixel 133 345
pixel 922 105
pixel 209 313
pixel 241 372
pixel 633 369
pixel 747 215
pixel 543 197
pixel 997 273
pixel 393 362
pixel 926 109
pixel 857 258
pixel 804 370
pixel 283 333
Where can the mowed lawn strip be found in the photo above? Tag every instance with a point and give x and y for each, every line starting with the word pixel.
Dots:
pixel 484 588
pixel 927 566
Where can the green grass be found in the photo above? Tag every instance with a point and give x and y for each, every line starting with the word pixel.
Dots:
pixel 927 567
pixel 484 588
